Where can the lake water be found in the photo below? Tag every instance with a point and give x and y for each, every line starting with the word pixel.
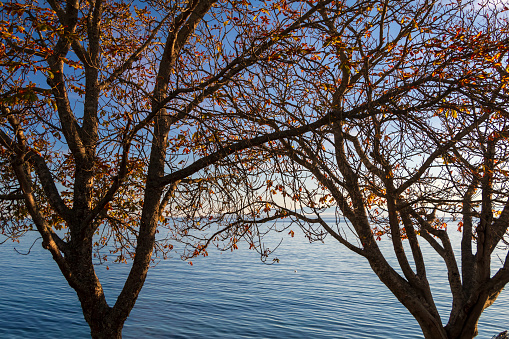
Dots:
pixel 318 290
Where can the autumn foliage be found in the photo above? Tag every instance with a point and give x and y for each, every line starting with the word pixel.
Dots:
pixel 202 120
pixel 416 146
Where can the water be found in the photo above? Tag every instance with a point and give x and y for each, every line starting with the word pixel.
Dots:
pixel 318 290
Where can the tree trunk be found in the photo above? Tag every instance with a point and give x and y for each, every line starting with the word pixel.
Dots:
pixel 434 332
pixel 431 326
pixel 463 330
pixel 103 321
pixel 464 326
pixel 106 329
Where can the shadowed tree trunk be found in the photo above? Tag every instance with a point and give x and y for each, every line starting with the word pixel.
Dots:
pixel 129 131
pixel 416 149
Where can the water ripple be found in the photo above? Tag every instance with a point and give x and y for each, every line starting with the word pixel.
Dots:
pixel 318 291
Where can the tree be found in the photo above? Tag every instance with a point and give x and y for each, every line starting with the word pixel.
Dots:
pixel 154 117
pixel 417 142
pixel 111 126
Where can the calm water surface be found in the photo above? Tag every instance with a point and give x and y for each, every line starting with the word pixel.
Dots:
pixel 318 290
